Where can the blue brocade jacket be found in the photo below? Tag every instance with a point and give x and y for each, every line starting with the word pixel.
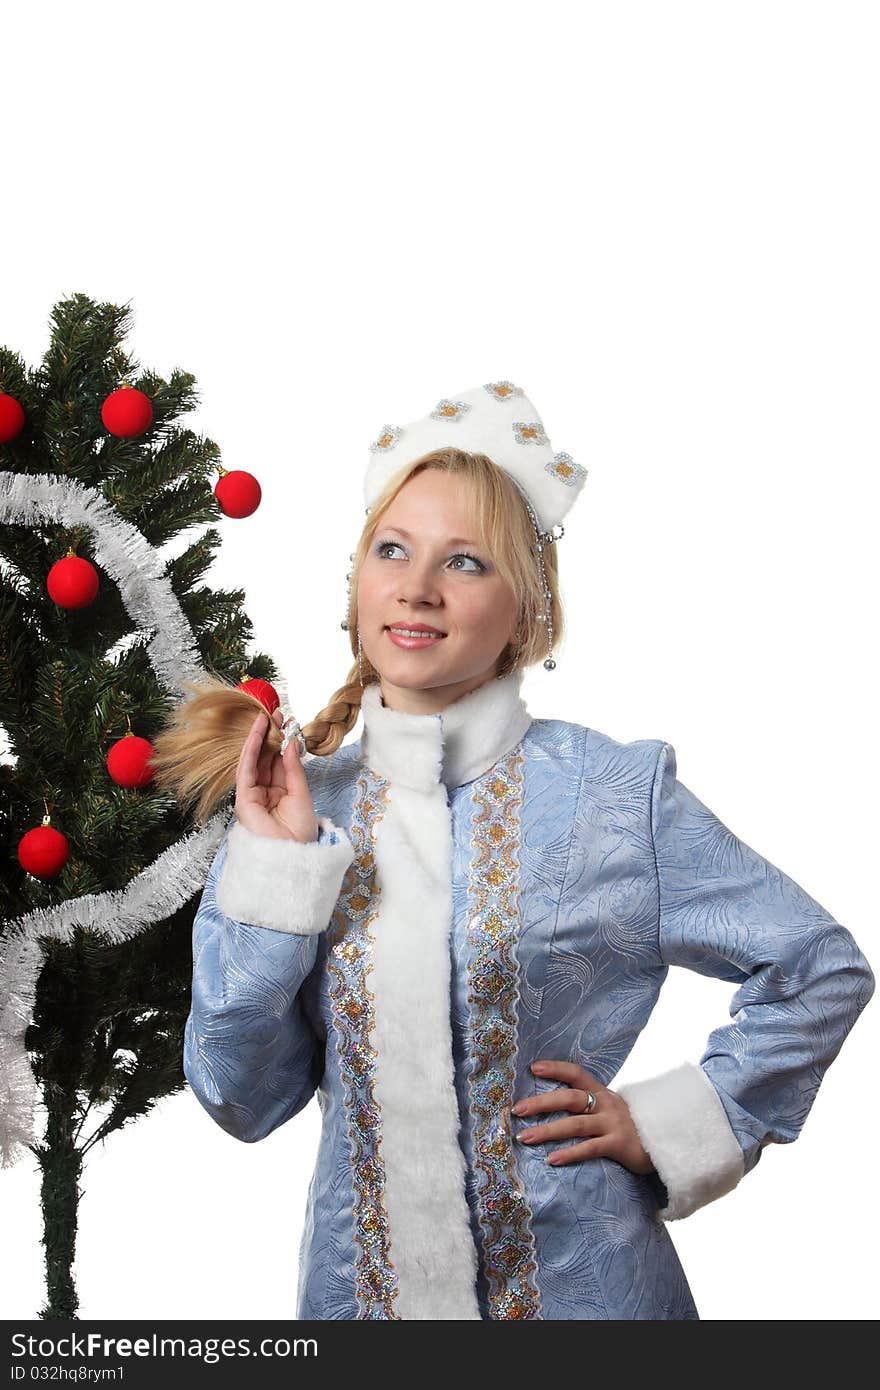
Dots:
pixel 486 889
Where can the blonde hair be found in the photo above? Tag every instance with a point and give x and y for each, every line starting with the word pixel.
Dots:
pixel 196 753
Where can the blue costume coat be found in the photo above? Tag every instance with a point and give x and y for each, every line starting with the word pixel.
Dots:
pixel 487 889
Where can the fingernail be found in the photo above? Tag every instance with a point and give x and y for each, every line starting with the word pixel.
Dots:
pixel 516 1109
pixel 539 1066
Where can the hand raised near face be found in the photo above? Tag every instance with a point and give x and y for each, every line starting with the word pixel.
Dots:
pixel 272 794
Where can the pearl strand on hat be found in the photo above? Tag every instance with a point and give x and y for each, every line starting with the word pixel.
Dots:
pixel 543 538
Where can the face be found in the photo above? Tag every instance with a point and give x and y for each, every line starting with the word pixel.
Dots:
pixel 416 572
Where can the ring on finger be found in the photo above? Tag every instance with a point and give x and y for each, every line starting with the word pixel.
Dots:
pixel 590 1105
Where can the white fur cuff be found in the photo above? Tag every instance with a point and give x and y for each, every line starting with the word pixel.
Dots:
pixel 287 885
pixel 684 1127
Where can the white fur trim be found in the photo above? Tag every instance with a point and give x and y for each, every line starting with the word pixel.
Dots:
pixel 684 1127
pixel 419 755
pixel 460 743
pixel 287 885
pixel 431 1244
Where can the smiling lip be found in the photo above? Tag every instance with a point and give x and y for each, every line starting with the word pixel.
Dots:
pixel 429 637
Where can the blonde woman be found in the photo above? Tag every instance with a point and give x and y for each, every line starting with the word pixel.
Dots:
pixel 454 929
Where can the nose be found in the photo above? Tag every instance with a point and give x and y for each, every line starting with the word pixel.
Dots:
pixel 418 586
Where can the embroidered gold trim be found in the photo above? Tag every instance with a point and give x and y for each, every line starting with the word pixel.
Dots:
pixel 508 1245
pixel 350 946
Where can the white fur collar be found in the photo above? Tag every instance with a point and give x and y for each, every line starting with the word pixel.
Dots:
pixel 460 743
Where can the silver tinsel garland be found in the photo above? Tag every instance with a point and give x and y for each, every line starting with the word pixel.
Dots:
pixel 164 886
pixel 151 896
pixel 32 499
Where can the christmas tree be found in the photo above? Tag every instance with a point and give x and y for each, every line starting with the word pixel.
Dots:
pixel 99 637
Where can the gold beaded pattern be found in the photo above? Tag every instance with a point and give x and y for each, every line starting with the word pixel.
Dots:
pixel 529 432
pixel 508 1246
pixel 387 438
pixel 503 390
pixel 449 410
pixel 563 467
pixel 350 945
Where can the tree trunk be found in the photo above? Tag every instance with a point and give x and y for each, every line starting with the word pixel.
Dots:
pixel 61 1163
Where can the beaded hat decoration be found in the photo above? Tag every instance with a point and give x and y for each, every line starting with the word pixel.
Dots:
pixel 499 420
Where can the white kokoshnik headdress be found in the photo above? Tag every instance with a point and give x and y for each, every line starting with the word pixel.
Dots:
pixel 499 420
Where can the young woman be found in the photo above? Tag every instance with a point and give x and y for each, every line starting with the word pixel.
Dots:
pixel 453 930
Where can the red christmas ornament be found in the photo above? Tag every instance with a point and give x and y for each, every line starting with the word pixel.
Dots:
pixel 238 492
pixel 127 412
pixel 128 761
pixel 43 851
pixel 262 691
pixel 11 418
pixel 72 582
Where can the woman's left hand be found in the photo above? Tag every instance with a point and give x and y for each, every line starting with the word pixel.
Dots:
pixel 608 1131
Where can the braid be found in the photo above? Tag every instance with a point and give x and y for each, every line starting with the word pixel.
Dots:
pixel 324 733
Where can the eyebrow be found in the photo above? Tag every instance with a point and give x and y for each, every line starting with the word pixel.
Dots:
pixel 454 540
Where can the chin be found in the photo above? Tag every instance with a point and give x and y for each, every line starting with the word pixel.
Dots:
pixel 413 680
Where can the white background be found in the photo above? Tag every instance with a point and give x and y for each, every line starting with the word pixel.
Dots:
pixel 662 221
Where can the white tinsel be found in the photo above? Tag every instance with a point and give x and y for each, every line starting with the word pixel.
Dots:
pixel 32 499
pixel 152 896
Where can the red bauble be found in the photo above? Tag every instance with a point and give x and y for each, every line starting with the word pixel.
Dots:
pixel 127 412
pixel 262 691
pixel 72 582
pixel 238 493
pixel 43 851
pixel 128 761
pixel 11 418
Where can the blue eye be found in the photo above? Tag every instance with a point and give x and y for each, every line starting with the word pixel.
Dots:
pixel 465 555
pixel 461 555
